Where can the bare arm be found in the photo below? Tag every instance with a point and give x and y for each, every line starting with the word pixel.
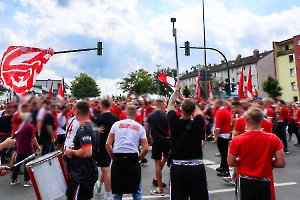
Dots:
pixel 144 143
pixel 50 131
pixel 279 161
pixel 231 160
pixel 85 152
pixel 173 98
pixel 235 133
pixel 108 145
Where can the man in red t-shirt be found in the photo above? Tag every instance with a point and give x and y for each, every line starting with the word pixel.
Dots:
pixel 297 121
pixel 282 119
pixel 255 163
pixel 222 135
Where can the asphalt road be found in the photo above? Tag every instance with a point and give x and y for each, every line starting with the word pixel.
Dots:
pixel 287 180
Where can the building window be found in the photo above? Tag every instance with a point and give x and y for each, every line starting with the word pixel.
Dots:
pixel 232 70
pixel 245 78
pixel 291 58
pixel 298 42
pixel 294 86
pixel 295 97
pixel 287 47
pixel 233 80
pixel 292 72
pixel 299 56
pixel 253 77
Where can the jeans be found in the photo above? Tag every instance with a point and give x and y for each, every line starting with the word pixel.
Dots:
pixel 223 149
pixel 47 146
pixel 135 196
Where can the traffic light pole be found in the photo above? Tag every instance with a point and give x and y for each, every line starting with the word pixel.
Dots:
pixel 209 48
pixel 99 49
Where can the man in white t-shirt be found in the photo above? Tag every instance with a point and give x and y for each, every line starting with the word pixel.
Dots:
pixel 62 119
pixel 71 130
pixel 41 114
pixel 126 170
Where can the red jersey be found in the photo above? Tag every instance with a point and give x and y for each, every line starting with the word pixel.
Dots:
pixel 16 122
pixel 240 125
pixel 269 112
pixel 297 116
pixel 115 110
pixel 283 114
pixel 256 162
pixel 137 119
pixel 122 115
pixel 223 120
pixel 145 112
pixel 290 114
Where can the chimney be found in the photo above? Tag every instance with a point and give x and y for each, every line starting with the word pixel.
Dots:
pixel 222 62
pixel 255 53
pixel 238 58
pixel 186 71
pixel 209 66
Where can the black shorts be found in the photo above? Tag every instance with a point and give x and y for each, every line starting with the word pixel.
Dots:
pixel 103 159
pixel 161 148
pixel 82 193
pixel 253 189
pixel 61 139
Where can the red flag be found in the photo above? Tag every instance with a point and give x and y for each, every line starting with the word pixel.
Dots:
pixel 61 92
pixel 249 93
pixel 198 88
pixel 166 79
pixel 50 91
pixel 241 86
pixel 20 67
pixel 210 90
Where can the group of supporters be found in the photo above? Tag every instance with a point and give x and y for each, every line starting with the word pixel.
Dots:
pixel 114 136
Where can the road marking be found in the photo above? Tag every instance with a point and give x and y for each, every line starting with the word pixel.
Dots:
pixel 284 184
pixel 208 162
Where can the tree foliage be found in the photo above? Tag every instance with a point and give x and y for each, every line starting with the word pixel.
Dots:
pixel 84 86
pixel 164 90
pixel 272 87
pixel 140 81
pixel 186 91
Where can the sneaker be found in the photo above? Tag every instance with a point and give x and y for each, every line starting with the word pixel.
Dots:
pixel 286 151
pixel 217 154
pixel 297 145
pixel 158 191
pixel 150 148
pixel 98 188
pixel 223 173
pixel 14 182
pixel 27 184
pixel 143 161
pixel 229 180
pixel 219 169
pixel 154 182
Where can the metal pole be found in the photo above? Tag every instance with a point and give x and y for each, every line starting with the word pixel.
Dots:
pixel 204 43
pixel 75 50
pixel 176 52
pixel 219 53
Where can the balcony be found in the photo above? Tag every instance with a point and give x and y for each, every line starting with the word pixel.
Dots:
pixel 286 52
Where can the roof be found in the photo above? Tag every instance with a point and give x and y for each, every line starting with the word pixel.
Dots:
pixel 283 42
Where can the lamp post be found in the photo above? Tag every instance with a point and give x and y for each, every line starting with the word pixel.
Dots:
pixel 173 20
pixel 204 44
pixel 158 81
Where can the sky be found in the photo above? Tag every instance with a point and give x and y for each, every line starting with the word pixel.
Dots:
pixel 138 33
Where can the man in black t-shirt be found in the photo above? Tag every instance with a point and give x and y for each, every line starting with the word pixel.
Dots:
pixel 104 121
pixel 157 125
pixel 83 168
pixel 48 127
pixel 188 175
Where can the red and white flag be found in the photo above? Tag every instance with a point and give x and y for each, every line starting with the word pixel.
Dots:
pixel 241 86
pixel 20 67
pixel 50 91
pixel 198 88
pixel 61 91
pixel 166 79
pixel 210 90
pixel 249 94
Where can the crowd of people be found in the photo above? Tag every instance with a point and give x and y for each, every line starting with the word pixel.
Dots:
pixel 114 135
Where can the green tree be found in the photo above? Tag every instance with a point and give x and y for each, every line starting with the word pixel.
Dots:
pixel 272 87
pixel 140 81
pixel 186 91
pixel 164 90
pixel 84 86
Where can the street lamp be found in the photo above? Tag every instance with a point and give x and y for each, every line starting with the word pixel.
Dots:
pixel 173 20
pixel 158 81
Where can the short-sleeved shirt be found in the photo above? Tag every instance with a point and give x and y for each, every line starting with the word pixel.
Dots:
pixel 269 112
pixel 223 120
pixel 24 139
pixel 71 130
pixel 107 120
pixel 47 121
pixel 127 136
pixel 190 147
pixel 158 125
pixel 85 170
pixel 283 114
pixel 240 125
pixel 62 122
pixel 297 116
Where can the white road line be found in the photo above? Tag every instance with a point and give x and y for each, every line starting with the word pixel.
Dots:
pixel 150 197
pixel 284 184
pixel 208 162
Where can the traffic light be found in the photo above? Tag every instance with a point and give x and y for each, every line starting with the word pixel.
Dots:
pixel 233 87
pixel 227 86
pixel 187 50
pixel 99 48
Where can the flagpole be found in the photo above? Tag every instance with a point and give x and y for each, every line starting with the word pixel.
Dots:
pixel 173 20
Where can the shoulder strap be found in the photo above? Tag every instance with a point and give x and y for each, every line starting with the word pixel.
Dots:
pixel 187 128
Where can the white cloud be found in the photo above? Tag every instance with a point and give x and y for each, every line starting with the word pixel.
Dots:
pixel 21 18
pixel 2 6
pixel 108 86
